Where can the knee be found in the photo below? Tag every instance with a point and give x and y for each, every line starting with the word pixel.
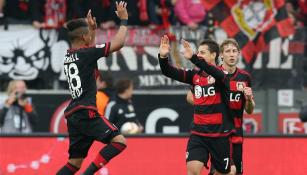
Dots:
pixel 193 171
pixel 120 139
pixel 232 170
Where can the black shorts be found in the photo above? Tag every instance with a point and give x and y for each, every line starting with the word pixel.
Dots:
pixel 219 148
pixel 85 126
pixel 237 157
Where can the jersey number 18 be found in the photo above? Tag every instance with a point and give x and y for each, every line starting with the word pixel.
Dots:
pixel 71 71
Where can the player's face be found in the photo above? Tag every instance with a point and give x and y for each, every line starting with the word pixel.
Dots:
pixel 204 53
pixel 230 55
pixel 129 91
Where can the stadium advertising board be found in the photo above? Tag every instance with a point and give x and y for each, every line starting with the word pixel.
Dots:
pixel 290 123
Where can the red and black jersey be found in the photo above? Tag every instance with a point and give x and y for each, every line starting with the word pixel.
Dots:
pixel 232 86
pixel 237 81
pixel 211 117
pixel 80 67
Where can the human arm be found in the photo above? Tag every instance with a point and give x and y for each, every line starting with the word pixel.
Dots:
pixel 119 39
pixel 189 97
pixel 92 26
pixel 7 104
pixel 185 76
pixel 249 100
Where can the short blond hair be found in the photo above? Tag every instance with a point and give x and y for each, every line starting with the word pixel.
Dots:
pixel 229 41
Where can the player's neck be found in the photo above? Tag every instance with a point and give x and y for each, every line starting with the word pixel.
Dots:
pixel 230 69
pixel 213 63
pixel 78 44
pixel 123 96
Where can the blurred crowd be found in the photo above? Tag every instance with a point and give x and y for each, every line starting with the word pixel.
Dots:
pixel 54 13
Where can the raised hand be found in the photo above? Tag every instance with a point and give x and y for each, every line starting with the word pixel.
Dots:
pixel 164 47
pixel 91 20
pixel 121 10
pixel 188 51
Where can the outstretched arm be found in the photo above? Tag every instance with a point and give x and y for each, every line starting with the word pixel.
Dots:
pixel 92 26
pixel 202 64
pixel 185 76
pixel 120 37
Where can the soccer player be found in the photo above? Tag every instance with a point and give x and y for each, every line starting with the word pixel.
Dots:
pixel 211 125
pixel 83 121
pixel 237 83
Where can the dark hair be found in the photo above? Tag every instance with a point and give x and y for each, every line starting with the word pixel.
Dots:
pixel 76 28
pixel 213 47
pixel 122 85
pixel 106 77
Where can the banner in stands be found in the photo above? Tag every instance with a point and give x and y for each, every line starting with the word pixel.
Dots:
pixel 31 54
pixel 158 113
pixel 147 156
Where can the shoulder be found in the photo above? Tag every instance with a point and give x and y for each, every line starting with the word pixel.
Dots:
pixel 244 72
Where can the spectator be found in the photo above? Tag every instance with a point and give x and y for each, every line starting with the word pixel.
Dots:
pixel 53 13
pixel 103 10
pixel 190 13
pixel 161 12
pixel 121 110
pixel 105 92
pixel 17 114
pixel 16 11
pixel 303 11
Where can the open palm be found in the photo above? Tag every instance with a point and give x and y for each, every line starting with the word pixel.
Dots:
pixel 188 51
pixel 164 46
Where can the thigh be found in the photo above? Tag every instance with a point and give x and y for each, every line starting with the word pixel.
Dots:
pixel 79 143
pixel 220 151
pixel 97 127
pixel 197 150
pixel 237 157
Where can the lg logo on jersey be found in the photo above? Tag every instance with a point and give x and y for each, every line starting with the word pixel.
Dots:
pixel 234 97
pixel 199 91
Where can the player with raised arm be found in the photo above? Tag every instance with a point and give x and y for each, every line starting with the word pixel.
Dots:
pixel 211 123
pixel 237 84
pixel 83 121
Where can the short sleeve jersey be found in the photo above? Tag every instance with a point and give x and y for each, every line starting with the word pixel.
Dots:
pixel 80 66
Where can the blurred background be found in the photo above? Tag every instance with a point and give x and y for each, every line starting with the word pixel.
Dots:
pixel 33 42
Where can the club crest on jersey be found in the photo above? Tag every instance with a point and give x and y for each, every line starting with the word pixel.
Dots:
pixel 211 80
pixel 253 16
pixel 197 91
pixel 240 86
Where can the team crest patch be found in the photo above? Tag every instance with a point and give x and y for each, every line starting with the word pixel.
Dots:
pixel 253 16
pixel 197 92
pixel 240 86
pixel 211 80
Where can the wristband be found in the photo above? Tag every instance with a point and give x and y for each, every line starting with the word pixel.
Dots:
pixel 124 22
